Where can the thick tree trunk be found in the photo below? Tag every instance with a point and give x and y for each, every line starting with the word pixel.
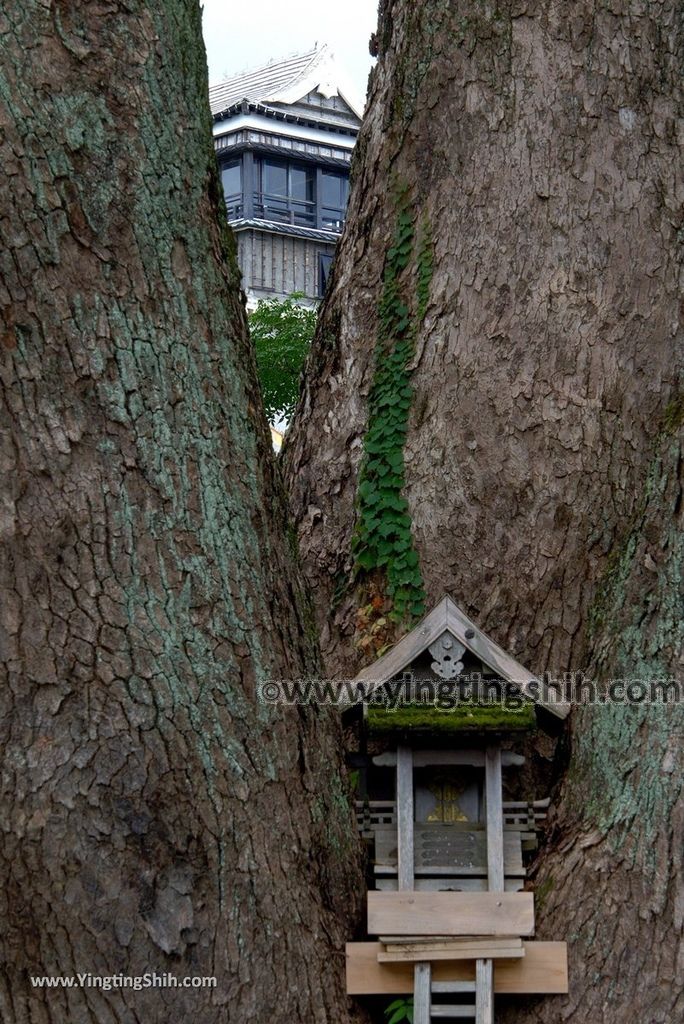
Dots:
pixel 510 280
pixel 155 816
pixel 612 879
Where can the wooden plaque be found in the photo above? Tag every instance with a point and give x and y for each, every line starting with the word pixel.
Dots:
pixel 451 913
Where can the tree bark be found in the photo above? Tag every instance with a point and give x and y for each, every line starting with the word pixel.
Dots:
pixel 611 880
pixel 156 817
pixel 539 147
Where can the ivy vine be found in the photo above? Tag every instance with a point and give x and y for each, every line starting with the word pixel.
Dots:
pixel 383 540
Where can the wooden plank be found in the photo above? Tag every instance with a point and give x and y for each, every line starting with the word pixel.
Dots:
pixel 453 871
pixel 450 913
pixel 452 826
pixel 441 847
pixel 453 1012
pixel 449 850
pixel 523 805
pixel 447 884
pixel 405 855
pixel 453 987
pixel 445 944
pixel 467 953
pixel 421 994
pixel 484 992
pixel 415 940
pixel 426 758
pixel 495 834
pixel 477 953
pixel 517 815
pixel 542 971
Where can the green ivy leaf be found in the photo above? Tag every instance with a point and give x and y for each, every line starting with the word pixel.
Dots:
pixel 368 492
pixel 365 560
pixel 383 538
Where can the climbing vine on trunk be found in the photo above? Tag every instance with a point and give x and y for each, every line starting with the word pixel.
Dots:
pixel 383 539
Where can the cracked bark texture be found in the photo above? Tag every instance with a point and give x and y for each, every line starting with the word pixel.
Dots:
pixel 611 880
pixel 155 816
pixel 543 144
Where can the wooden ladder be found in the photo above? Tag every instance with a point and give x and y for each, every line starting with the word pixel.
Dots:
pixel 426 1011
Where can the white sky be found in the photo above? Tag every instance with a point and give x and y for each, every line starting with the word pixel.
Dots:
pixel 240 34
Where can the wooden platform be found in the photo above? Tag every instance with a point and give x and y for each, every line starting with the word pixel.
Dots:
pixel 498 914
pixel 543 970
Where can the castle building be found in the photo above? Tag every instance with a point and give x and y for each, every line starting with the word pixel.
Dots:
pixel 284 135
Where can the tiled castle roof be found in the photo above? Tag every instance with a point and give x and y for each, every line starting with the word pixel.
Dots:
pixel 282 81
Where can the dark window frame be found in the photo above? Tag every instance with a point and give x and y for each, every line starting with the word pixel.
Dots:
pixel 234 200
pixel 253 202
pixel 325 260
pixel 333 214
pixel 285 208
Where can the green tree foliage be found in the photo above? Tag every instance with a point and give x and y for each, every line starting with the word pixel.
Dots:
pixel 282 332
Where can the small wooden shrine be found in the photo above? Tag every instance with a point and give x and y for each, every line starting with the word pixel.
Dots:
pixel 448 916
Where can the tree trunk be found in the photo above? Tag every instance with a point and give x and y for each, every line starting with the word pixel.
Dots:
pixel 156 817
pixel 612 878
pixel 494 387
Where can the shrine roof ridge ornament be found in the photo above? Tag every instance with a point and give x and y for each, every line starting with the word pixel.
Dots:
pixel 432 633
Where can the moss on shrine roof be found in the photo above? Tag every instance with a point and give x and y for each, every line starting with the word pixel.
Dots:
pixel 464 717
